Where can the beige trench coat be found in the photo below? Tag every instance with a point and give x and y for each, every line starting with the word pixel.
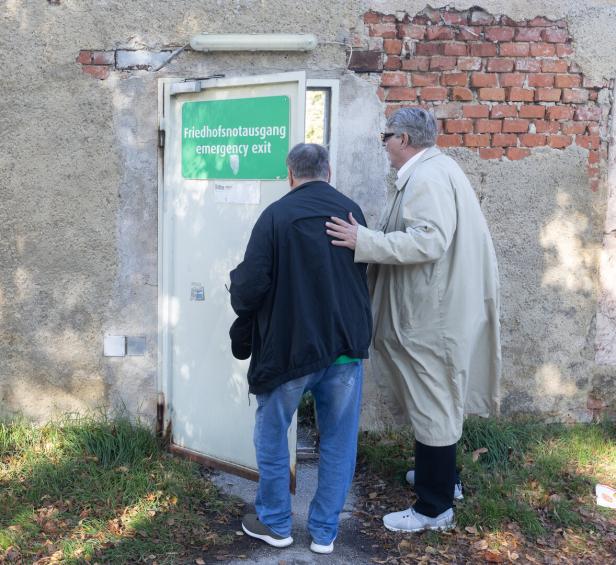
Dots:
pixel 435 296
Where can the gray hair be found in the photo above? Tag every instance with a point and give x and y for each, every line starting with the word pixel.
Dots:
pixel 309 161
pixel 417 123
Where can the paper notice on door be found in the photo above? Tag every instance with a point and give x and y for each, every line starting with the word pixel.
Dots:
pixel 237 192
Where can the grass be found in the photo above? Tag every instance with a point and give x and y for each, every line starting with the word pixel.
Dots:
pixel 94 490
pixel 306 415
pixel 84 489
pixel 538 476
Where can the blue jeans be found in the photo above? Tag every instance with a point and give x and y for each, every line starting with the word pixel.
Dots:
pixel 337 394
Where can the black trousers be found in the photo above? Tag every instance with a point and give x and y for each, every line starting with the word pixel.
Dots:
pixel 435 478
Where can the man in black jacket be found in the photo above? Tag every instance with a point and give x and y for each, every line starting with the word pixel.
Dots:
pixel 304 316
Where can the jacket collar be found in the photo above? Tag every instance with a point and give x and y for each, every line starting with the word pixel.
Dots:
pixel 428 154
pixel 306 185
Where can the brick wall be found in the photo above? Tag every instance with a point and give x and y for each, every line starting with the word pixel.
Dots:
pixel 497 86
pixel 96 63
pixel 99 64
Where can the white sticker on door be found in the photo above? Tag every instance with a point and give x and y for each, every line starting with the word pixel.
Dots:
pixel 238 192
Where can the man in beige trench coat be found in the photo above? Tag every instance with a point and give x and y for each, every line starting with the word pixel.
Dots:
pixel 435 296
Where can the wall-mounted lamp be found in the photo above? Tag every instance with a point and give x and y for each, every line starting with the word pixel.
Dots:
pixel 246 42
pixel 253 42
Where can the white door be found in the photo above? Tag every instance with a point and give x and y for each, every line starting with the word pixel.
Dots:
pixel 225 142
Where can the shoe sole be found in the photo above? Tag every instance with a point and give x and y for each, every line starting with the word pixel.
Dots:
pixel 417 530
pixel 269 539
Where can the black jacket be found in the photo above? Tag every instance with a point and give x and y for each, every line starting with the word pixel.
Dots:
pixel 304 300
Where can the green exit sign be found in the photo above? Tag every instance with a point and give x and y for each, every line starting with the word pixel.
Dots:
pixel 243 138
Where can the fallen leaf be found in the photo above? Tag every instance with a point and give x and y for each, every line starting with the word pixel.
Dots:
pixel 471 530
pixel 478 452
pixel 493 557
pixel 480 545
pixel 199 561
pixel 512 555
pixel 372 495
pixel 115 526
pixel 12 554
pixel 239 533
pixel 555 497
pixel 50 527
pixel 404 546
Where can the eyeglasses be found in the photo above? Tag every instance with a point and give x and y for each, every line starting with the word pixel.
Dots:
pixel 386 135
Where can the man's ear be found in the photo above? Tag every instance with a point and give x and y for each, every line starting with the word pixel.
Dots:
pixel 290 177
pixel 329 173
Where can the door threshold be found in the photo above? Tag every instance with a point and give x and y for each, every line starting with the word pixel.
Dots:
pixel 206 461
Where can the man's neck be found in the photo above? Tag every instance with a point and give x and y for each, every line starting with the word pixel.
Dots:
pixel 409 162
pixel 411 152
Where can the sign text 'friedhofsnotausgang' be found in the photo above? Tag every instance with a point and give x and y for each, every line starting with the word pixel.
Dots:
pixel 245 138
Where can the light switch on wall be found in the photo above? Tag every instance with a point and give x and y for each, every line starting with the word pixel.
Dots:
pixel 114 346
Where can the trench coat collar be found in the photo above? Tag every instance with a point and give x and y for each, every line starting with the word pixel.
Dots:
pixel 428 154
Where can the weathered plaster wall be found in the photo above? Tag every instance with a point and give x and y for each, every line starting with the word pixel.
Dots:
pixel 78 198
pixel 547 235
pixel 502 88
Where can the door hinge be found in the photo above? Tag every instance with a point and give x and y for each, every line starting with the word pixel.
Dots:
pixel 160 414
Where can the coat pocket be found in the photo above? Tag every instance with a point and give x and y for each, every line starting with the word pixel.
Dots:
pixel 402 298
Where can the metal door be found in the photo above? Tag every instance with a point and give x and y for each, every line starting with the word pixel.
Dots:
pixel 205 227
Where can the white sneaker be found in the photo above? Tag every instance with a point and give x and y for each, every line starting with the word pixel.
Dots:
pixel 318 548
pixel 411 521
pixel 457 489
